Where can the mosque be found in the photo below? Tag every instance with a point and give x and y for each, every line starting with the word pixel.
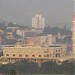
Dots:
pixel 33 52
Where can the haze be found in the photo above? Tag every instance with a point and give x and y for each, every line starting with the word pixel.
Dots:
pixel 22 11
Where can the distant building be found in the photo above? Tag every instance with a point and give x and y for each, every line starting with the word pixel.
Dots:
pixel 13 28
pixel 48 39
pixel 38 22
pixel 20 32
pixel 51 39
pixel 1 31
pixel 9 34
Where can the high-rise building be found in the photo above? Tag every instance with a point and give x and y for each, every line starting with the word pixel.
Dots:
pixel 38 22
pixel 73 36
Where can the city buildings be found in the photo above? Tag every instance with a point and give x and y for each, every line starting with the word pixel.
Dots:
pixel 38 22
pixel 33 44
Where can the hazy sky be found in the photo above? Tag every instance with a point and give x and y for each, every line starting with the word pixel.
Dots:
pixel 22 11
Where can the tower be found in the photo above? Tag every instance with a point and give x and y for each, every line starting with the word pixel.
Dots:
pixel 73 37
pixel 73 33
pixel 38 22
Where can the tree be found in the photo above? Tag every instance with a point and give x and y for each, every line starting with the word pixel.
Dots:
pixel 4 69
pixel 33 68
pixel 26 67
pixel 12 72
pixel 49 67
pixel 67 39
pixel 67 67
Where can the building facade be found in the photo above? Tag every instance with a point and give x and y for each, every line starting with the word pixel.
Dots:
pixel 33 53
pixel 38 22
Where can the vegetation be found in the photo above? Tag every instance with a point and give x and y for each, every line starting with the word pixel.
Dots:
pixel 56 30
pixel 49 67
pixel 12 72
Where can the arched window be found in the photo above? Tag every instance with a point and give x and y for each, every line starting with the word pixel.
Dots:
pixel 20 55
pixel 39 56
pixel 7 54
pixel 33 55
pixel 26 55
pixel 13 55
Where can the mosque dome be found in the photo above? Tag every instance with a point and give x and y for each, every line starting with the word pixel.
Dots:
pixel 31 41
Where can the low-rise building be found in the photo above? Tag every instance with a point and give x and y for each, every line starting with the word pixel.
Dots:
pixel 34 53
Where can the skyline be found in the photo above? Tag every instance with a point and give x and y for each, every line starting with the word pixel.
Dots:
pixel 21 11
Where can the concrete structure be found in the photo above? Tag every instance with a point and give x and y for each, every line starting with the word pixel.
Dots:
pixel 38 22
pixel 73 36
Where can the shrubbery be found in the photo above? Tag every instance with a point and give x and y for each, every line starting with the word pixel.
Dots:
pixel 49 67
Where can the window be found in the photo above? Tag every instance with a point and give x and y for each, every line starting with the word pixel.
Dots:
pixel 33 55
pixel 56 50
pixel 20 55
pixel 26 55
pixel 56 55
pixel 7 54
pixel 47 55
pixel 59 50
pixel 13 55
pixel 39 55
pixel 45 51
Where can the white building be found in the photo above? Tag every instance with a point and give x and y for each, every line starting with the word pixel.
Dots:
pixel 20 32
pixel 38 22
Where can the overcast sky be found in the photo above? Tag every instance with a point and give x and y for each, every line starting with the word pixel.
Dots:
pixel 22 11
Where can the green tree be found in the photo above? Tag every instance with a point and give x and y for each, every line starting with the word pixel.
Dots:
pixel 12 72
pixel 49 67
pixel 5 68
pixel 67 67
pixel 26 67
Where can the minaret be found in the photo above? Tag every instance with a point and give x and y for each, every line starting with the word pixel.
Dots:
pixel 73 33
pixel 73 36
